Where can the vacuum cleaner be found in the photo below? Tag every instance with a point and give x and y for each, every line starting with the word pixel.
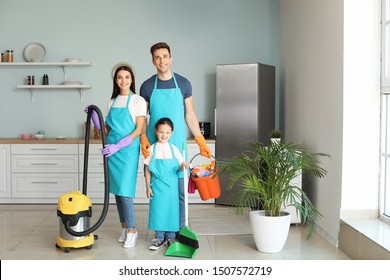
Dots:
pixel 75 208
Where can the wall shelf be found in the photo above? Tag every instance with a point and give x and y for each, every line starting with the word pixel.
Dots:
pixel 63 64
pixel 33 87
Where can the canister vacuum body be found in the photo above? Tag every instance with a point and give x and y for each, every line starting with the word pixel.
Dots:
pixel 75 208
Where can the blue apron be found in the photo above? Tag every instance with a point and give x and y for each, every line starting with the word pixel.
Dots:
pixel 164 205
pixel 123 165
pixel 168 103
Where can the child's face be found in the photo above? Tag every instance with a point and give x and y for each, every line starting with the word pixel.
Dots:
pixel 163 133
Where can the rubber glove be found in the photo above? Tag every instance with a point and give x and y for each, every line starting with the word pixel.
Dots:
pixel 145 145
pixel 111 149
pixel 94 117
pixel 204 150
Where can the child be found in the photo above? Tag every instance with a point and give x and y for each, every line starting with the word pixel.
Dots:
pixel 161 167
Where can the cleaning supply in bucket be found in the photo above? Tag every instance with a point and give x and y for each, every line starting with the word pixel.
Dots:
pixel 205 178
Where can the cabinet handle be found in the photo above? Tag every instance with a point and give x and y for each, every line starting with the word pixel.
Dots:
pixel 38 182
pixel 43 149
pixel 43 163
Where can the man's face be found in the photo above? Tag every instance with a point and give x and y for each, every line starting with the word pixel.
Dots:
pixel 162 60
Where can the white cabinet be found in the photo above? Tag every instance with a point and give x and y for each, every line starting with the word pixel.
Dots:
pixel 42 172
pixel 5 170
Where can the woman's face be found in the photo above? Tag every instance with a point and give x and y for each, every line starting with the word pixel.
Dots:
pixel 163 133
pixel 123 80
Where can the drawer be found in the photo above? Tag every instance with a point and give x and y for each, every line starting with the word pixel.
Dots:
pixel 44 163
pixel 95 186
pixel 43 185
pixel 94 149
pixel 95 164
pixel 44 149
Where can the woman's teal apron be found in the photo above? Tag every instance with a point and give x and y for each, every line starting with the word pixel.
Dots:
pixel 123 165
pixel 168 103
pixel 164 205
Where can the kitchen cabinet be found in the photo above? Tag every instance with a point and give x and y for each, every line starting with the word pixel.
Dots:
pixel 5 170
pixel 42 172
pixel 64 66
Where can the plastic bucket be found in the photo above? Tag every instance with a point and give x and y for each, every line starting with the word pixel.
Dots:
pixel 207 186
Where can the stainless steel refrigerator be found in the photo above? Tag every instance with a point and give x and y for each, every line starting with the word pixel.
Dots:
pixel 245 110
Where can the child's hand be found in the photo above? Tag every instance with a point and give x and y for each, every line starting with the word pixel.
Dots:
pixel 149 192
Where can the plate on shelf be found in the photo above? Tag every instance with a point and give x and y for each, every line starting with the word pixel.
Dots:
pixel 72 60
pixel 60 137
pixel 34 52
pixel 71 83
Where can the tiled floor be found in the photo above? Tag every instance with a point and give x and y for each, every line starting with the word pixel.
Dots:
pixel 29 232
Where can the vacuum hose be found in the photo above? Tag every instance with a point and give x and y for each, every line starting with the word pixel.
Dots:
pixel 103 215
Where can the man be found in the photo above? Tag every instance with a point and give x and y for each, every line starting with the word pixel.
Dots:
pixel 168 94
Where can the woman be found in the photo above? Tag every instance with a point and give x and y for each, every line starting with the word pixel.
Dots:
pixel 125 121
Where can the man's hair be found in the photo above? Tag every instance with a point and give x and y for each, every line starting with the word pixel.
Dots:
pixel 160 45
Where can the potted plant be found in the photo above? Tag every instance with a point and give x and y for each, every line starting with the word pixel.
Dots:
pixel 276 135
pixel 263 175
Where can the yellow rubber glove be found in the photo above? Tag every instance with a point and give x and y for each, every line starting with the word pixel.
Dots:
pixel 145 145
pixel 204 150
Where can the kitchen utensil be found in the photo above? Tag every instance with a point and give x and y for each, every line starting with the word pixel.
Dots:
pixel 26 136
pixel 34 52
pixel 39 136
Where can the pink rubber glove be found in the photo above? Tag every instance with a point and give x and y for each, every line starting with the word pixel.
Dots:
pixel 111 149
pixel 94 118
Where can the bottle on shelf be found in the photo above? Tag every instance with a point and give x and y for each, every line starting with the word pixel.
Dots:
pixel 11 56
pixel 7 56
pixel 45 80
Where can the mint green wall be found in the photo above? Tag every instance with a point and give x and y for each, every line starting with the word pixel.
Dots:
pixel 201 33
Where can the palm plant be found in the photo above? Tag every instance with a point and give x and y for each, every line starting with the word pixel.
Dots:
pixel 264 175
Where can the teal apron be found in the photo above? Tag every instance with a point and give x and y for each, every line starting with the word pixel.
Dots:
pixel 168 103
pixel 164 205
pixel 123 165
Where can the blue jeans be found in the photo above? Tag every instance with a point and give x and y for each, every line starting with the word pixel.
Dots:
pixel 125 206
pixel 161 235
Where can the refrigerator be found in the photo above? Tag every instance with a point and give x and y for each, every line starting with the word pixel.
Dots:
pixel 245 111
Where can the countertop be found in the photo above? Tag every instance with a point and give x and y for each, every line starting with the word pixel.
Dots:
pixel 68 141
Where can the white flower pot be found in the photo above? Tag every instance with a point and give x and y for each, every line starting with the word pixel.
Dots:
pixel 270 233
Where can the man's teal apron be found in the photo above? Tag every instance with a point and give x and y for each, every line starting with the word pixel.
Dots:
pixel 123 165
pixel 164 205
pixel 168 103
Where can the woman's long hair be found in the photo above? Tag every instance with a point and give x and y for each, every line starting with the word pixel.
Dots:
pixel 116 90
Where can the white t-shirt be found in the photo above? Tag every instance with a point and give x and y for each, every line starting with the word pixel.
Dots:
pixel 163 151
pixel 137 106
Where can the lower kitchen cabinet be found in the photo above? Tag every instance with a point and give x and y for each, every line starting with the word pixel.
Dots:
pixel 5 170
pixel 40 173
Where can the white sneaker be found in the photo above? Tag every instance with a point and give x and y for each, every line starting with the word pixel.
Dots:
pixel 131 239
pixel 122 238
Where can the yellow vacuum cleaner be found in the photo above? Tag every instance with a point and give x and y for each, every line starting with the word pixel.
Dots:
pixel 75 208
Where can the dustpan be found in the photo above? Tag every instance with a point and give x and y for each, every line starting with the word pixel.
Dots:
pixel 188 241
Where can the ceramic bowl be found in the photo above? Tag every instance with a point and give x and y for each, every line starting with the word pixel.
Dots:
pixel 39 136
pixel 25 136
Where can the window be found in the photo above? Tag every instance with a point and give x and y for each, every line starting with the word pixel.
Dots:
pixel 385 114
